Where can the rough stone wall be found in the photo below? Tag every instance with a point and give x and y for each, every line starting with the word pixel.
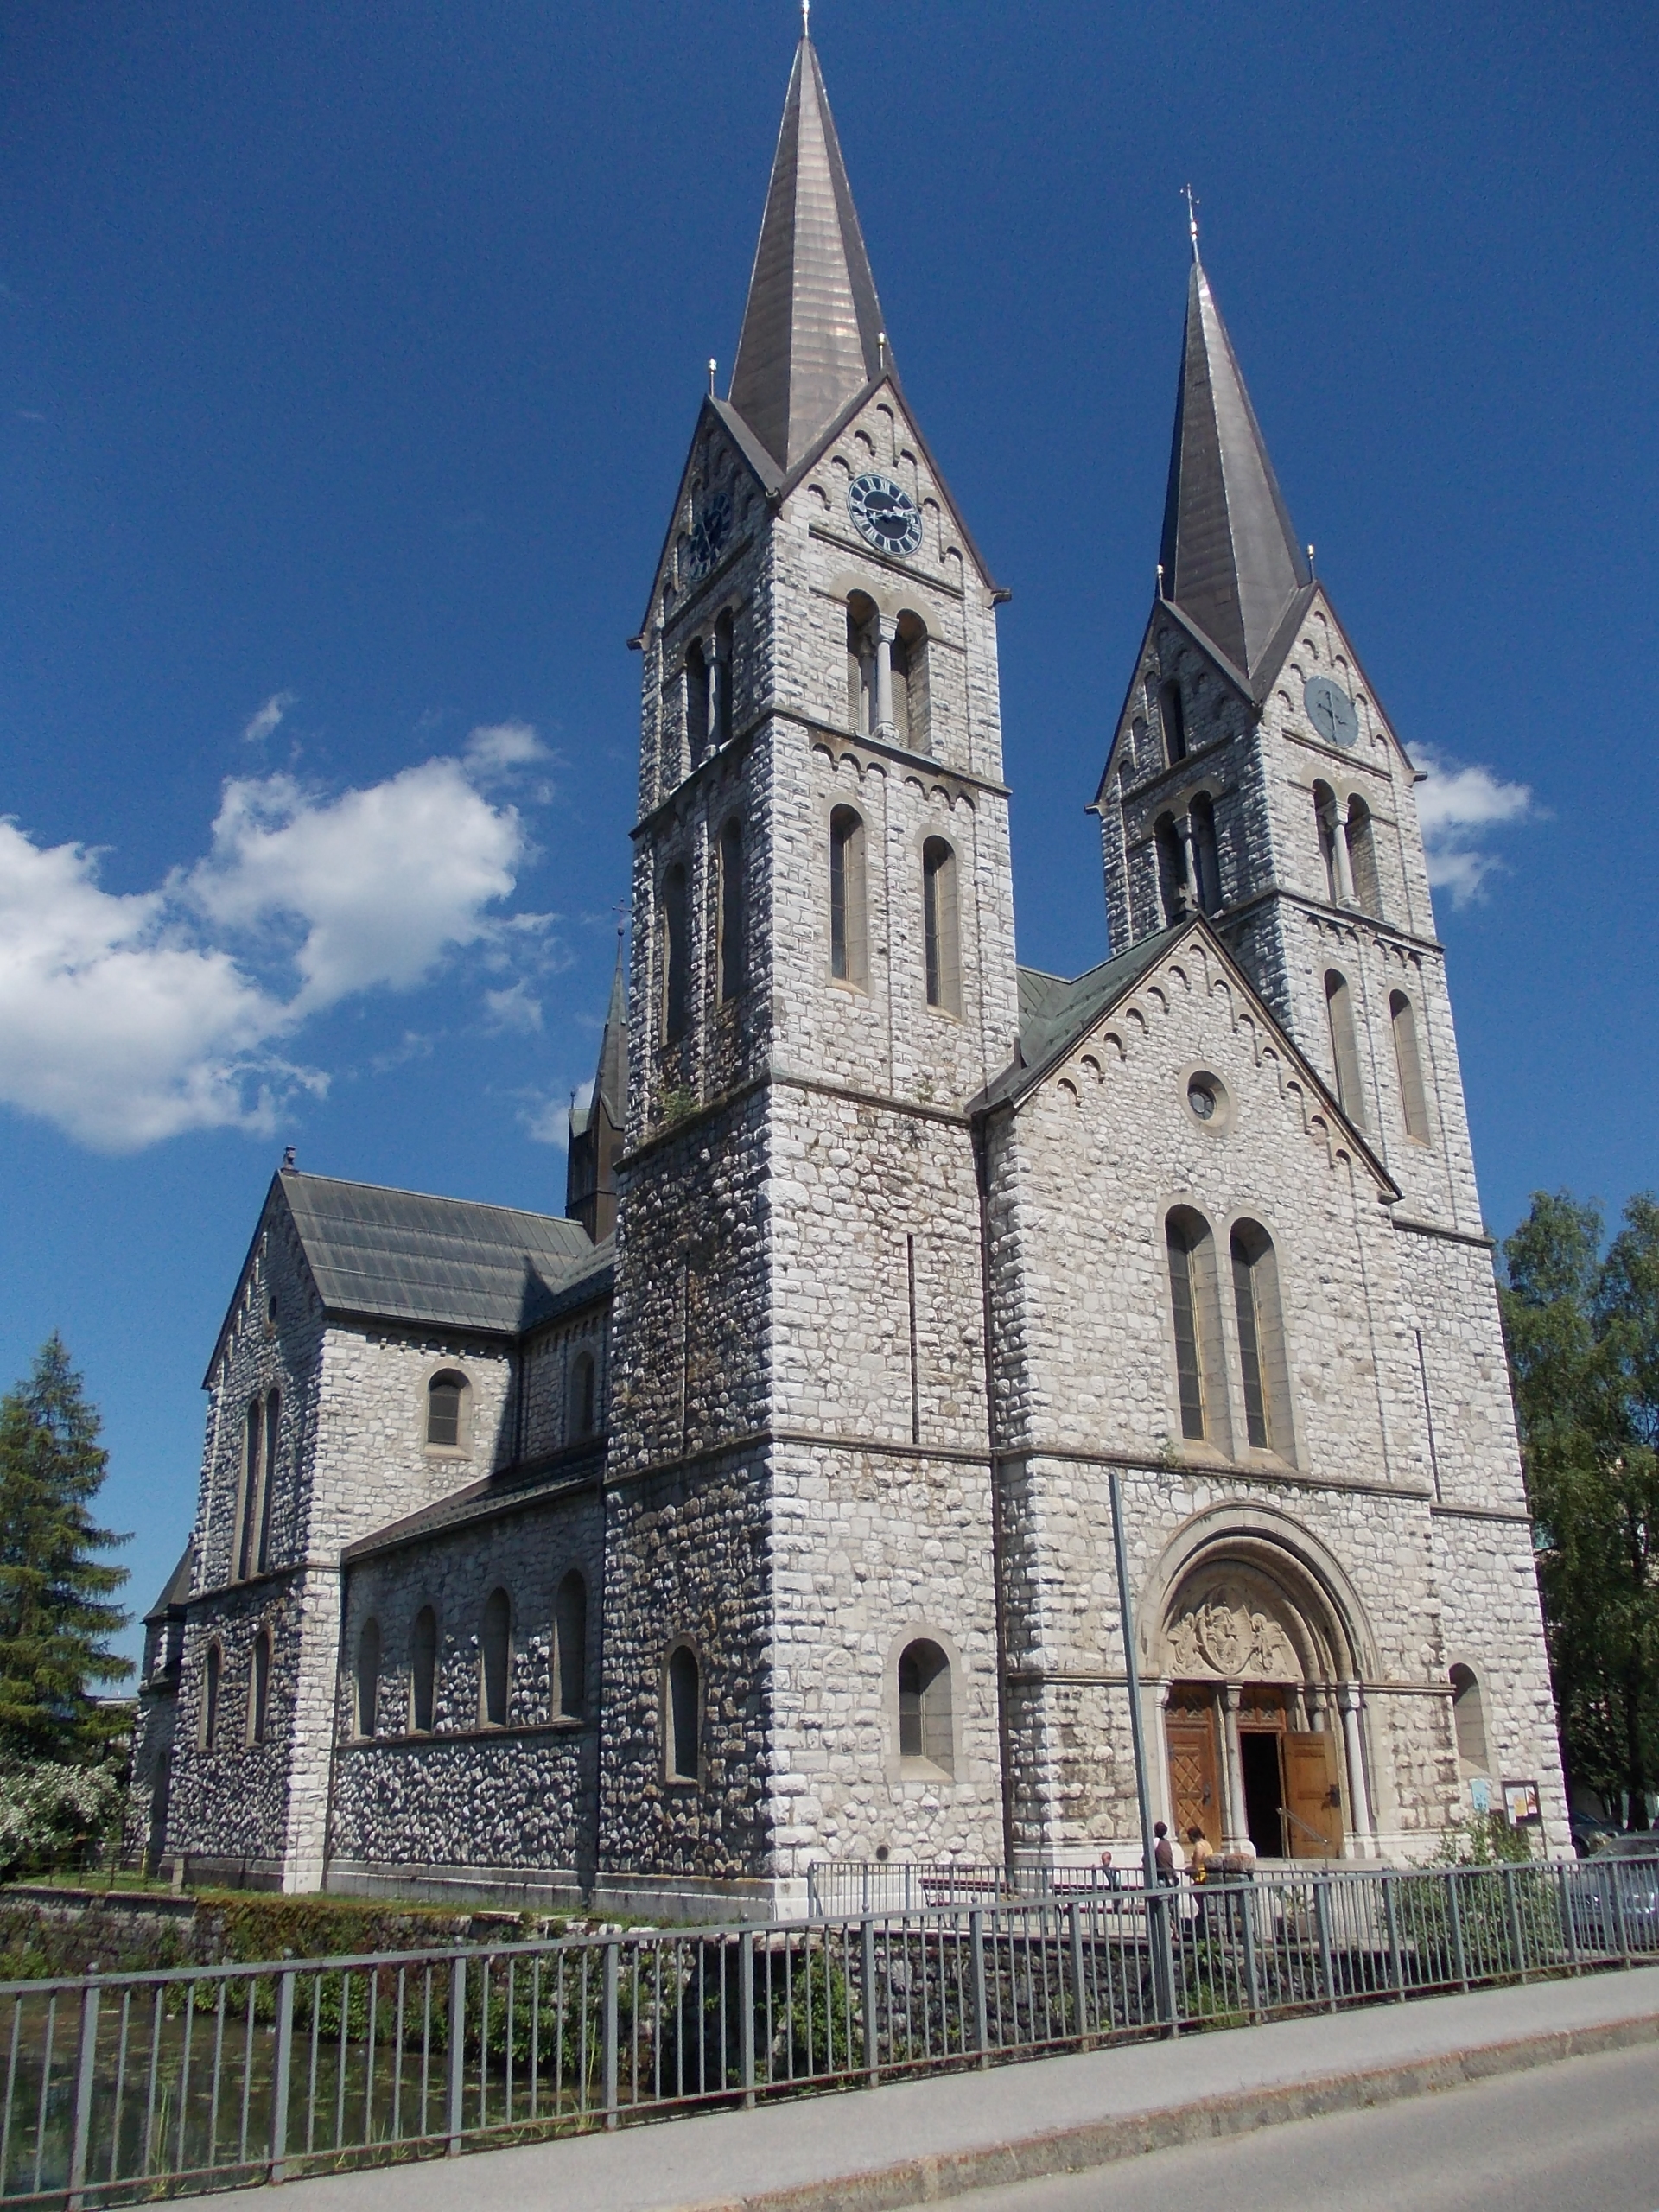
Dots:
pixel 550 1414
pixel 467 1795
pixel 231 1801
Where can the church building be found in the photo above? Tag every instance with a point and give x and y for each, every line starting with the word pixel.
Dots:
pixel 757 1512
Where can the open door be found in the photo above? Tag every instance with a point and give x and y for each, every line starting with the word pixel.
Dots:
pixel 1312 1796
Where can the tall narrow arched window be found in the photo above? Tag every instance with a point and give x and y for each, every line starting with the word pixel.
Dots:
pixel 910 690
pixel 212 1675
pixel 1172 868
pixel 683 1702
pixel 1261 1340
pixel 495 1660
pixel 1344 1044
pixel 1469 1718
pixel 1206 860
pixel 570 1648
pixel 1325 821
pixel 253 1476
pixel 847 926
pixel 1189 1250
pixel 368 1678
pixel 720 720
pixel 1174 720
pixel 941 926
pixel 1361 857
pixel 260 1687
pixel 268 1486
pixel 583 1408
pixel 674 951
pixel 424 1671
pixel 1413 1101
pixel 696 701
pixel 925 1725
pixel 445 1410
pixel 861 665
pixel 733 933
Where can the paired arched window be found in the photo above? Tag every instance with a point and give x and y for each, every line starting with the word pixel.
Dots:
pixel 1344 1044
pixel 424 1671
pixel 584 1397
pixel 719 714
pixel 684 1714
pixel 495 1660
pixel 910 692
pixel 446 1396
pixel 1175 721
pixel 696 701
pixel 259 1688
pixel 847 924
pixel 212 1675
pixel 673 951
pixel 926 1728
pixel 941 926
pixel 1261 1340
pixel 1206 860
pixel 1172 868
pixel 734 947
pixel 860 664
pixel 1191 1252
pixel 569 1685
pixel 1408 1063
pixel 368 1678
pixel 1361 857
pixel 1469 1718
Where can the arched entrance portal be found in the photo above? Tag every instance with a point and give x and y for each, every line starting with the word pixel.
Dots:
pixel 1261 1707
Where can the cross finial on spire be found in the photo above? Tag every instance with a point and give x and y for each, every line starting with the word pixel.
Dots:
pixel 806 18
pixel 1191 197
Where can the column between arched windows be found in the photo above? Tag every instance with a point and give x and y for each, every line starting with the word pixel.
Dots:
pixel 1339 854
pixel 886 629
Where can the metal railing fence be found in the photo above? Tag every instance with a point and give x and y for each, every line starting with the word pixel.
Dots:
pixel 836 1886
pixel 123 2086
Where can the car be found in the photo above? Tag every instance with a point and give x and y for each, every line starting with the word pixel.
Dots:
pixel 1615 1895
pixel 1589 1833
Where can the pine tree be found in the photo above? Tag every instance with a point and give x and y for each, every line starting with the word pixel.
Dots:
pixel 56 1609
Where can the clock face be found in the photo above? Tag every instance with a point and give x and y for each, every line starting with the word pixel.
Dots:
pixel 1330 710
pixel 884 513
pixel 708 535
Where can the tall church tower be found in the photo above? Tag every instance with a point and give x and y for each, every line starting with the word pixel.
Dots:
pixel 800 1647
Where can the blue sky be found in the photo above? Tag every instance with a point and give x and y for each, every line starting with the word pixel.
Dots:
pixel 348 358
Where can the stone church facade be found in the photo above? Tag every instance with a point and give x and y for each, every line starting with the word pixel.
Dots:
pixel 758 1512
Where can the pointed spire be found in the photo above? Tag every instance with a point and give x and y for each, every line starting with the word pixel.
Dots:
pixel 1231 559
pixel 813 330
pixel 611 1078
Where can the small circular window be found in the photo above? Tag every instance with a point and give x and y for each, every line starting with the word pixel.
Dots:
pixel 1207 1100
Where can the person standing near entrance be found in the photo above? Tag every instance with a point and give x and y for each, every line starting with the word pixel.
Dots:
pixel 1163 1852
pixel 1199 1852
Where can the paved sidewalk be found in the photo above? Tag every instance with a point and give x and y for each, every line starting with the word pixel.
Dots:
pixel 911 2142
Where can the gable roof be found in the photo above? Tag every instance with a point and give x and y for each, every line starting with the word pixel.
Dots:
pixel 176 1594
pixel 611 1077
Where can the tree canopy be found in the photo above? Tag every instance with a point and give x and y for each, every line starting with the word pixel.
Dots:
pixel 1582 1325
pixel 57 1609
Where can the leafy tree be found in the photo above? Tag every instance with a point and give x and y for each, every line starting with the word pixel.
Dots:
pixel 56 1609
pixel 1583 1332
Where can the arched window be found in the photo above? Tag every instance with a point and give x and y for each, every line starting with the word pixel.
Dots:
pixel 675 981
pixel 861 665
pixel 1191 1251
pixel 924 1718
pixel 734 948
pixel 1345 1046
pixel 1175 718
pixel 1414 1104
pixel 495 1660
pixel 253 1470
pixel 583 1407
pixel 268 1486
pixel 846 949
pixel 1172 868
pixel 1362 858
pixel 910 699
pixel 368 1678
pixel 941 926
pixel 721 719
pixel 424 1670
pixel 570 1648
pixel 684 1703
pixel 444 1396
pixel 1324 819
pixel 1205 860
pixel 260 1687
pixel 212 1675
pixel 1469 1718
pixel 1261 1338
pixel 696 701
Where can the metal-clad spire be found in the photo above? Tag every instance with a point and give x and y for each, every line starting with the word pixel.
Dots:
pixel 812 328
pixel 1231 559
pixel 611 1078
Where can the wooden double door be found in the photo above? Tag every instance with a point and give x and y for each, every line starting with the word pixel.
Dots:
pixel 1289 1780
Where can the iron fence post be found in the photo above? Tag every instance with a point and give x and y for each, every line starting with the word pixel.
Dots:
pixel 613 1978
pixel 1161 1910
pixel 1618 1911
pixel 1397 1964
pixel 1079 1988
pixel 1454 1887
pixel 457 2054
pixel 872 2033
pixel 1322 1922
pixel 1562 1871
pixel 280 2063
pixel 746 2010
pixel 1518 1938
pixel 982 2014
pixel 85 2080
pixel 1252 1975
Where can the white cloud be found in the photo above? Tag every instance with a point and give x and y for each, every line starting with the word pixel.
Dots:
pixel 130 1017
pixel 268 718
pixel 1458 807
pixel 500 745
pixel 514 1008
pixel 547 1120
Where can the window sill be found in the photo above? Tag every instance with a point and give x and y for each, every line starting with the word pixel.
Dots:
pixel 447 1451
pixel 917 1770
pixel 483 1733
